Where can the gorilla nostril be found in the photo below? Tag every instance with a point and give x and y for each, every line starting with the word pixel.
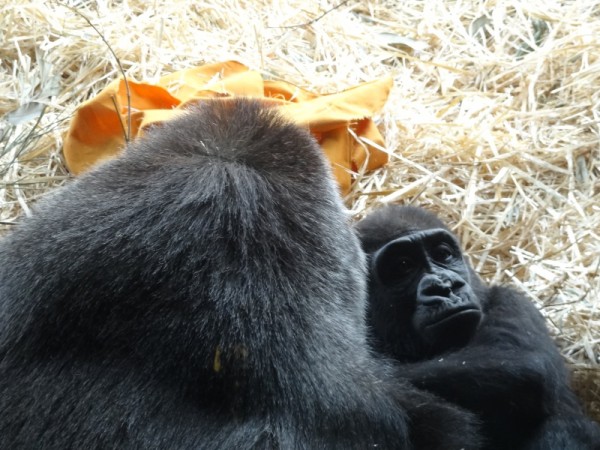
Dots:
pixel 457 284
pixel 437 290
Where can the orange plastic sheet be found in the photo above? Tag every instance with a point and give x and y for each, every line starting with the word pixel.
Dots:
pixel 98 129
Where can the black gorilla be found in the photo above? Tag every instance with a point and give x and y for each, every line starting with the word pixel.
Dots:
pixel 204 290
pixel 486 349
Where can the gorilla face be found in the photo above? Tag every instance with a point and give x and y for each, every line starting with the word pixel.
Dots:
pixel 422 278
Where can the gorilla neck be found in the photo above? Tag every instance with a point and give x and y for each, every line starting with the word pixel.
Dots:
pixel 414 350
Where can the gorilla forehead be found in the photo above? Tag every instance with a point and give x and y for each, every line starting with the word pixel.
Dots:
pixel 425 237
pixel 392 222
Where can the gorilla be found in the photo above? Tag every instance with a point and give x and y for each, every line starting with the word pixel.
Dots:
pixel 204 290
pixel 484 348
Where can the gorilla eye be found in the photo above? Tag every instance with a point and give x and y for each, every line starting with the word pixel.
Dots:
pixel 404 264
pixel 442 253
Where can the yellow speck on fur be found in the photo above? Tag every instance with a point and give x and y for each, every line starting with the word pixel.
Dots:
pixel 217 360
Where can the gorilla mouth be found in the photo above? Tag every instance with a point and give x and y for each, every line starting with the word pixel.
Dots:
pixel 466 313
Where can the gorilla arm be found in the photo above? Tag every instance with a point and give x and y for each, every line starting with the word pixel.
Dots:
pixel 503 364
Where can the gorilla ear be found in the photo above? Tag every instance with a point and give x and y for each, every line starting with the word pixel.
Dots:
pixel 394 262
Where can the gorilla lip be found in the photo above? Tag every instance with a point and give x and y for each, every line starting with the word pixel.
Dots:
pixel 454 313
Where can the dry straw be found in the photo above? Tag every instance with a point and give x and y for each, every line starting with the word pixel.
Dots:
pixel 493 122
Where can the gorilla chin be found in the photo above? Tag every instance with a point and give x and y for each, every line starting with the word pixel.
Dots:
pixel 454 329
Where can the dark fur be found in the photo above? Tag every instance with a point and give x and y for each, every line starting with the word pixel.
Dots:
pixel 204 290
pixel 510 372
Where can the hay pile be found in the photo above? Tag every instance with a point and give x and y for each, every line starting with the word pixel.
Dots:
pixel 493 121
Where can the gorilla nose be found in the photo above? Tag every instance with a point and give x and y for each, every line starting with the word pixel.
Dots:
pixel 433 289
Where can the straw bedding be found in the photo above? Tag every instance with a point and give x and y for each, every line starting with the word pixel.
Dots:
pixel 493 121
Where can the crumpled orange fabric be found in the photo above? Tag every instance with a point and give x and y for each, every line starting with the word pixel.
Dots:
pixel 98 129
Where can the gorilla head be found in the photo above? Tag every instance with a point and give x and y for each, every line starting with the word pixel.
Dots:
pixel 420 278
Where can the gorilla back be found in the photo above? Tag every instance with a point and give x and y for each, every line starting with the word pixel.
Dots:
pixel 201 291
